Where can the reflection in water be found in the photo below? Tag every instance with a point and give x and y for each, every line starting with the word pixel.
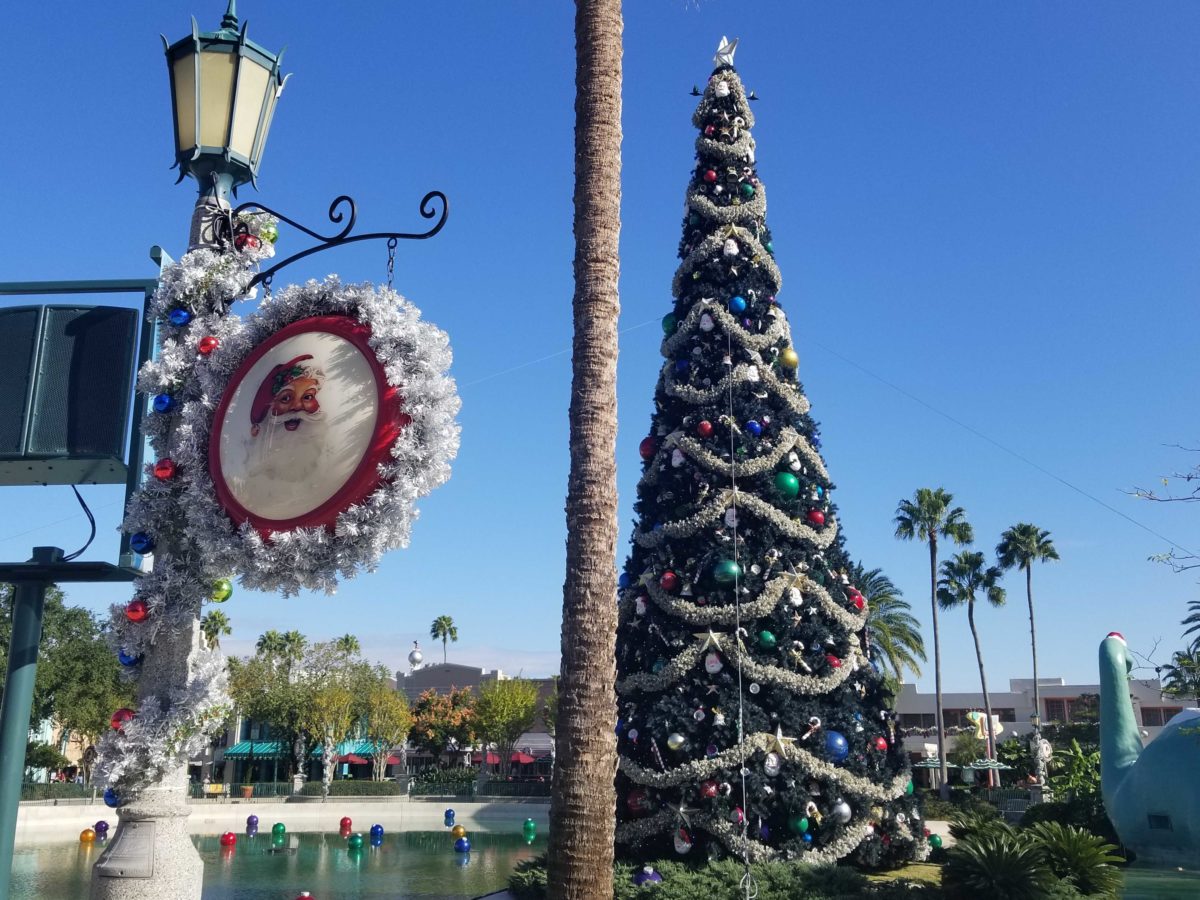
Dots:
pixel 406 866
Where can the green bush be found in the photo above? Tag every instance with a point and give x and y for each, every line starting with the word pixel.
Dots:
pixel 1086 861
pixel 353 788
pixel 453 778
pixel 1081 812
pixel 966 823
pixel 960 799
pixel 997 864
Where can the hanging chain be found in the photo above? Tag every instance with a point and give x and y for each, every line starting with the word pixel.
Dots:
pixel 391 264
pixel 266 283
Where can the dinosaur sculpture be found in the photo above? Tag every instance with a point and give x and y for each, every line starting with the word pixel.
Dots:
pixel 1151 794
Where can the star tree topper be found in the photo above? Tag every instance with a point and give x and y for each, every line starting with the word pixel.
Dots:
pixel 725 52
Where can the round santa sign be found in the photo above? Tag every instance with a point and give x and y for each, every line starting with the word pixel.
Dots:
pixel 303 426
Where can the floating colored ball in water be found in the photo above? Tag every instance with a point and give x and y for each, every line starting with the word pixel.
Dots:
pixel 836 747
pixel 222 590
pixel 935 841
pixel 355 841
pixel 737 305
pixel 87 836
pixel 137 611
pixel 207 345
pixel 346 822
pixel 101 828
pixel 754 427
pixel 163 403
pixel 462 845
pixel 140 542
pixel 458 831
pixel 787 484
pixel 449 814
pixel 668 323
pixel 164 469
pixel 529 830
pixel 816 517
pixel 668 581
pixel 269 231
pixel 377 829
pixel 676 741
pixel 647 447
pixel 704 429
pixel 278 829
pixel 251 821
pixel 727 571
pixel 278 841
pixel 377 840
pixel 647 875
pixel 247 242
pixel 766 640
pixel 120 717
pixel 798 824
pixel 128 660
pixel 179 317
pixel 788 358
pixel 111 799
pixel 228 839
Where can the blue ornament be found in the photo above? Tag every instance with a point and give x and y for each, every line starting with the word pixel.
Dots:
pixel 755 428
pixel 820 492
pixel 163 403
pixel 449 814
pixel 141 543
pixel 647 876
pixel 620 726
pixel 111 799
pixel 764 833
pixel 624 580
pixel 770 248
pixel 681 366
pixel 806 837
pixel 179 317
pixel 462 845
pixel 836 746
pixel 127 660
pixel 737 305
pixel 659 665
pixel 377 830
pixel 463 860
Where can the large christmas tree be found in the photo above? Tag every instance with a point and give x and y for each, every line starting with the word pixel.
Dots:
pixel 750 720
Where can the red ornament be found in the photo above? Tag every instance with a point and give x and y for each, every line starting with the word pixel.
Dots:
pixel 164 469
pixel 704 429
pixel 710 176
pixel 247 242
pixel 879 743
pixel 207 345
pixel 228 839
pixel 638 802
pixel 346 823
pixel 833 660
pixel 647 447
pixel 120 717
pixel 816 517
pixel 137 611
pixel 669 581
pixel 709 130
pixel 708 789
pixel 857 599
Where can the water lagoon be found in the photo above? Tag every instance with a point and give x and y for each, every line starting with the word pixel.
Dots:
pixel 415 864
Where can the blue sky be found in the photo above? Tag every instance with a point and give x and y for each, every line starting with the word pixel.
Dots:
pixel 991 208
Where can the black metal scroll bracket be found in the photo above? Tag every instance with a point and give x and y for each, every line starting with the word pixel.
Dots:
pixel 428 210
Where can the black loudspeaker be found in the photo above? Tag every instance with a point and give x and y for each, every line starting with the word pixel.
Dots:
pixel 66 379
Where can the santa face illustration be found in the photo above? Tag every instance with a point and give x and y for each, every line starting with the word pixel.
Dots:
pixel 287 425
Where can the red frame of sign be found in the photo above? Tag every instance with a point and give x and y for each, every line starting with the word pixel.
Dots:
pixel 365 478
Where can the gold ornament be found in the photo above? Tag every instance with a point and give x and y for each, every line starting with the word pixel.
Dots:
pixel 789 358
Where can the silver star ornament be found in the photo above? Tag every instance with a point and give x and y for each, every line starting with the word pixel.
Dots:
pixel 725 52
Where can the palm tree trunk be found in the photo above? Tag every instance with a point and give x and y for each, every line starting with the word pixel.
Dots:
pixel 1039 767
pixel 990 736
pixel 443 650
pixel 582 824
pixel 944 786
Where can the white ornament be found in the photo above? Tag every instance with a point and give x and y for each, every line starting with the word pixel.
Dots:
pixel 794 461
pixel 718 719
pixel 706 322
pixel 772 765
pixel 721 89
pixel 730 247
pixel 731 517
pixel 841 811
pixel 639 606
pixel 795 597
pixel 683 842
pixel 677 458
pixel 698 715
pixel 712 663
pixel 752 374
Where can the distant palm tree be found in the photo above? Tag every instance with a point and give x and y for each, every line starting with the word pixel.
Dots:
pixel 926 517
pixel 214 626
pixel 347 644
pixel 443 629
pixel 896 642
pixel 1181 676
pixel 1020 547
pixel 963 577
pixel 1193 620
pixel 269 643
pixel 292 646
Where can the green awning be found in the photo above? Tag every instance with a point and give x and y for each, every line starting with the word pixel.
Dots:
pixel 257 750
pixel 348 748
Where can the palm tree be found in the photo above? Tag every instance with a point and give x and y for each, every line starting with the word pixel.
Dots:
pixel 926 517
pixel 292 646
pixel 963 577
pixel 214 626
pixel 348 645
pixel 1181 676
pixel 443 629
pixel 269 643
pixel 582 825
pixel 1021 546
pixel 895 636
pixel 1193 620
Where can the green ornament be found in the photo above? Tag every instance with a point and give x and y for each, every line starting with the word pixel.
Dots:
pixel 530 828
pixel 787 484
pixel 747 189
pixel 908 788
pixel 278 829
pixel 659 665
pixel 770 248
pixel 935 841
pixel 727 571
pixel 355 841
pixel 269 232
pixel 278 840
pixel 767 640
pixel 798 824
pixel 693 219
pixel 222 590
pixel 668 323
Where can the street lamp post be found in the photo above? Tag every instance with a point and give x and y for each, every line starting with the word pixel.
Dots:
pixel 224 89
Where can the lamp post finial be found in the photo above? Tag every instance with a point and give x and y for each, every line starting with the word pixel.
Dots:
pixel 229 22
